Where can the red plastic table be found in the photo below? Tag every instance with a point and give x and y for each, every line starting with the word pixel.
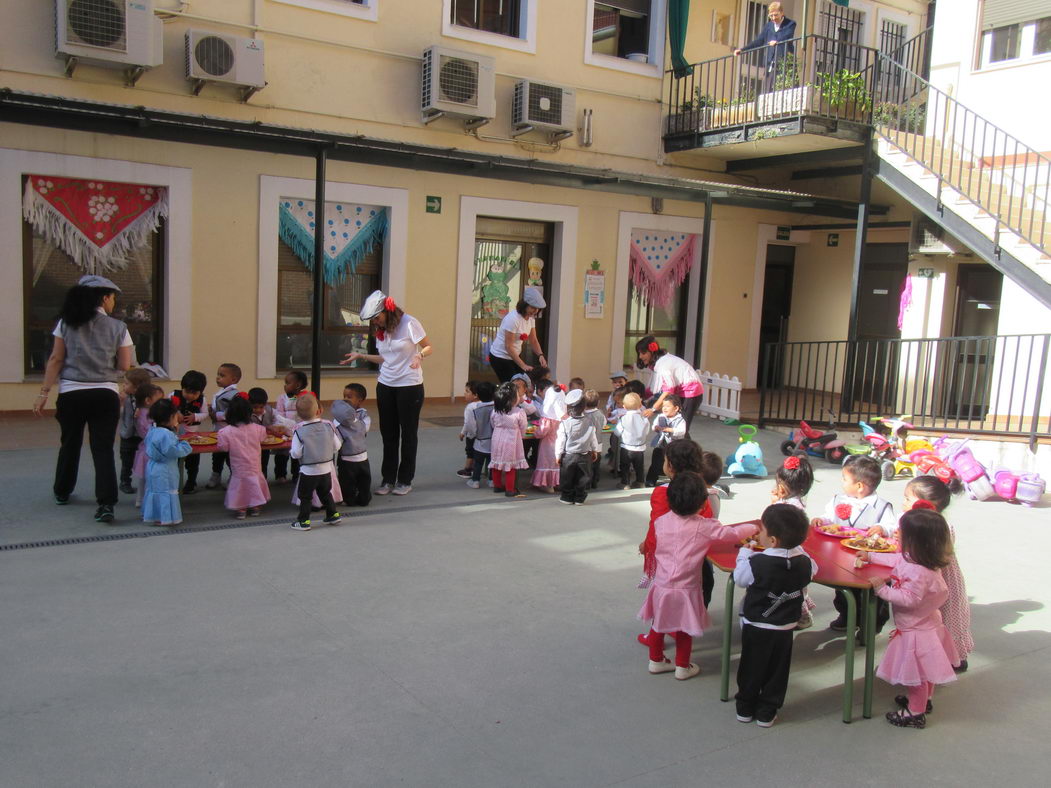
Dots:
pixel 835 569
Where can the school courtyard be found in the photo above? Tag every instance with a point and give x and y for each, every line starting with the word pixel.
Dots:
pixel 455 638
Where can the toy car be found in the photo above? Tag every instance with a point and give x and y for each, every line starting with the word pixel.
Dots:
pixel 816 443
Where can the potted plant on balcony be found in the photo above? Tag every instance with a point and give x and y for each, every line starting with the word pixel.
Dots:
pixel 844 95
pixel 789 96
pixel 909 118
pixel 695 114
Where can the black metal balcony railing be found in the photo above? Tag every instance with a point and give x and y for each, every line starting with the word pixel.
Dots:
pixel 983 385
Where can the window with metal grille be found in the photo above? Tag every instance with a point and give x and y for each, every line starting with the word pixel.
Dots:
pixel 755 15
pixel 845 27
pixel 492 16
pixel 621 28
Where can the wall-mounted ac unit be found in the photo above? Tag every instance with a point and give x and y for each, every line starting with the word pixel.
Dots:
pixel 926 237
pixel 459 84
pixel 540 107
pixel 114 33
pixel 233 60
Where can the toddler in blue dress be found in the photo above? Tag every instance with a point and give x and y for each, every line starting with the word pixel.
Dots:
pixel 160 503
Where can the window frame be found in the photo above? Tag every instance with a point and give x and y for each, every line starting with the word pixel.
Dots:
pixel 525 42
pixel 655 50
pixel 1026 46
pixel 367 10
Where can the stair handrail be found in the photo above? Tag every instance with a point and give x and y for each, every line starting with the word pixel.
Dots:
pixel 1011 146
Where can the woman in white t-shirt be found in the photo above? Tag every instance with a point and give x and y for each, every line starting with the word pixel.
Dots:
pixel 91 352
pixel 517 328
pixel 401 345
pixel 671 375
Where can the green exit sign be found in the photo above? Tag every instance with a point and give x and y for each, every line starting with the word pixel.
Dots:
pixel 434 204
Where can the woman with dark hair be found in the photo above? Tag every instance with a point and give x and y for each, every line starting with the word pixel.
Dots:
pixel 517 328
pixel 402 345
pixel 671 375
pixel 91 351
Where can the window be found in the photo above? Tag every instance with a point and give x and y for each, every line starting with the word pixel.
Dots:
pixel 493 16
pixel 359 9
pixel 662 323
pixel 50 272
pixel 1003 44
pixel 621 28
pixel 1013 30
pixel 754 18
pixel 343 331
pixel 1042 39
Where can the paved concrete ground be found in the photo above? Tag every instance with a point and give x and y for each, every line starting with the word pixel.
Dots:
pixel 454 638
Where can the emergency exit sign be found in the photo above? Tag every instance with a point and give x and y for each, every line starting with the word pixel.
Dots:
pixel 434 204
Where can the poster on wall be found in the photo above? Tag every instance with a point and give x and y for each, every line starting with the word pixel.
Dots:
pixel 595 292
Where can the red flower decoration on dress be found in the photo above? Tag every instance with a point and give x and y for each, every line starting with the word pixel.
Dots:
pixel 561 387
pixel 312 394
pixel 791 463
pixel 176 402
pixel 388 304
pixel 380 334
pixel 653 347
pixel 242 395
pixel 921 504
pixel 523 337
pixel 843 511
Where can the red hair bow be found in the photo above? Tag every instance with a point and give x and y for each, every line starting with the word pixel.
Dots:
pixel 653 347
pixel 242 395
pixel 561 387
pixel 921 504
pixel 843 511
pixel 791 463
pixel 176 402
pixel 523 337
pixel 388 304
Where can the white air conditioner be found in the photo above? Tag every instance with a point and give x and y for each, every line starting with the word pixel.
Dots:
pixel 459 84
pixel 926 237
pixel 114 33
pixel 541 107
pixel 234 60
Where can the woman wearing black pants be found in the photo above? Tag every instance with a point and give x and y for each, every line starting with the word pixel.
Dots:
pixel 401 345
pixel 516 330
pixel 91 350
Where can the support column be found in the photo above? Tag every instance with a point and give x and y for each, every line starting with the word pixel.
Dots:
pixel 846 400
pixel 702 273
pixel 318 294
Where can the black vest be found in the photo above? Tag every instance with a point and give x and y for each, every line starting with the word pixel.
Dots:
pixel 186 407
pixel 776 596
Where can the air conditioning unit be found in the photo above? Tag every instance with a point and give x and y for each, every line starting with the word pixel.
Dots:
pixel 114 33
pixel 233 60
pixel 458 84
pixel 540 107
pixel 926 237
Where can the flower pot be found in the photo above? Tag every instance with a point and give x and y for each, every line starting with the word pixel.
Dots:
pixel 790 101
pixel 689 121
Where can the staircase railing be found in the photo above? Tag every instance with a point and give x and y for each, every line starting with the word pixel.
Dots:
pixel 992 169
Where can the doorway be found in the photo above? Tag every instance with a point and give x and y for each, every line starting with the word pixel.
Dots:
pixel 976 314
pixel 777 306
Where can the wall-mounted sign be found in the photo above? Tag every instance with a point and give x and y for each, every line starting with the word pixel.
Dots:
pixel 784 233
pixel 925 273
pixel 594 292
pixel 833 239
pixel 434 204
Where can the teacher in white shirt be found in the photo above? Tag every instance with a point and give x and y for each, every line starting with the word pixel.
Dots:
pixel 401 345
pixel 516 329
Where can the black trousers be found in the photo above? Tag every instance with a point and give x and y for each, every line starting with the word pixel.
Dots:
pixel 656 465
pixel 632 461
pixel 192 466
pixel 281 465
pixel 575 477
pixel 480 465
pixel 762 673
pixel 219 459
pixel 399 409
pixel 689 410
pixel 355 479
pixel 305 489
pixel 128 447
pixel 468 448
pixel 882 608
pixel 504 368
pixel 99 411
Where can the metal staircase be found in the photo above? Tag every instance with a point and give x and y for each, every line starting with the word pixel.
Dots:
pixel 963 172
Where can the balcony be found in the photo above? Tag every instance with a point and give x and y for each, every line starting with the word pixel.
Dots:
pixel 809 94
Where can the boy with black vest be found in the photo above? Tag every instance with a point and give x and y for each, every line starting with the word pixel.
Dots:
pixel 193 409
pixel 773 602
pixel 314 444
pixel 353 422
pixel 480 429
pixel 576 448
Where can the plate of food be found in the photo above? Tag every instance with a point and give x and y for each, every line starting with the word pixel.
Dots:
pixel 871 544
pixel 530 429
pixel 838 530
pixel 274 440
pixel 752 543
pixel 201 439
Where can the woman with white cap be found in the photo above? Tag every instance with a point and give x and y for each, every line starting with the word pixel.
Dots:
pixel 517 328
pixel 401 345
pixel 91 351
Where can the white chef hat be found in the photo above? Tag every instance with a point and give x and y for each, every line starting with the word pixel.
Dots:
pixel 533 297
pixel 574 396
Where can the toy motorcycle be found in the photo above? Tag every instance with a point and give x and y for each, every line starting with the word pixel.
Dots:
pixel 816 443
pixel 962 461
pixel 1027 488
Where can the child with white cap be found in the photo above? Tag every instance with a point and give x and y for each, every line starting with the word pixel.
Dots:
pixel 576 447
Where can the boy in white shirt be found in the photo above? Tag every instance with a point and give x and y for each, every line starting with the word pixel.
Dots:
pixel 633 430
pixel 669 426
pixel 314 444
pixel 470 396
pixel 226 378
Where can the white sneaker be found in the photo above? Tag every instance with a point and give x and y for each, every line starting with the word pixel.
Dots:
pixel 384 489
pixel 402 489
pixel 688 672
pixel 213 481
pixel 805 620
pixel 473 484
pixel 666 666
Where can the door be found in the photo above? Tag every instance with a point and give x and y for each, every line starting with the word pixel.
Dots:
pixel 977 315
pixel 777 305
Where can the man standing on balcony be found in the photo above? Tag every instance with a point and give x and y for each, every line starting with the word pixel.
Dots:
pixel 774 41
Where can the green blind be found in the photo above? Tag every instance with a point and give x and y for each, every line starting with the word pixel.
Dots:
pixel 997 13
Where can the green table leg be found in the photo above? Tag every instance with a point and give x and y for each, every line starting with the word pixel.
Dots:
pixel 870 650
pixel 848 656
pixel 728 625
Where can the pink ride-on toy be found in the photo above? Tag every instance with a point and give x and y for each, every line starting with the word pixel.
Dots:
pixel 1027 488
pixel 962 461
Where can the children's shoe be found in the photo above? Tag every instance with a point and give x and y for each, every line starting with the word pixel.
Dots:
pixel 464 473
pixel 241 514
pixel 254 512
pixel 665 666
pixel 496 490
pixel 563 500
pixel 104 514
pixel 333 519
pixel 61 500
pixel 280 480
pixel 473 484
pixel 213 481
pixel 402 489
pixel 805 620
pixel 637 486
pixel 623 486
pixel 514 494
pixel 962 667
pixel 766 723
pixel 126 488
pixel 744 718
pixel 839 624
pixel 903 701
pixel 189 488
pixel 384 489
pixel 901 718
pixel 578 503
pixel 301 526
pixel 688 672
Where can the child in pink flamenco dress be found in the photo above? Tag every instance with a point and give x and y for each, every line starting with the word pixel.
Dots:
pixel 509 426
pixel 675 603
pixel 552 411
pixel 921 652
pixel 247 489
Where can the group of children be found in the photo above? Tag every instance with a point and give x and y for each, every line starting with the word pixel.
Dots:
pixel 329 459
pixel 532 421
pixel 925 588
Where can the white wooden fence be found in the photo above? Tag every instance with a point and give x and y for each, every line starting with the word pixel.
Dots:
pixel 722 396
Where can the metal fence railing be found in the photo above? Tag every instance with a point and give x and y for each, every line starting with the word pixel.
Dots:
pixel 982 385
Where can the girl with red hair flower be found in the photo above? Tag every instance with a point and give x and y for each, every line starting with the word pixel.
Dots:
pixel 670 375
